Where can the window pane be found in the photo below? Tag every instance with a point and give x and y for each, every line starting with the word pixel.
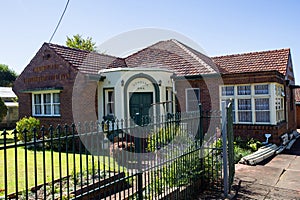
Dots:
pixel 193 94
pixel 244 104
pixel 262 104
pixel 262 116
pixel 110 96
pixel 193 99
pixel 57 109
pixel 261 89
pixel 47 98
pixel 228 91
pixel 245 116
pixel 37 99
pixel 47 109
pixel 110 108
pixel 38 109
pixel 56 98
pixel 244 90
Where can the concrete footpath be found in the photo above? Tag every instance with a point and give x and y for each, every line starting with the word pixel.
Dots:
pixel 279 178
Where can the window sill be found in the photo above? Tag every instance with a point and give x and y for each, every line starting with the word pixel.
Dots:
pixel 47 116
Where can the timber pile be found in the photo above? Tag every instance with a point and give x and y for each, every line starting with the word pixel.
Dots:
pixel 270 149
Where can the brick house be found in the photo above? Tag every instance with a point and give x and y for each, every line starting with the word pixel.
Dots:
pixel 168 76
pixel 297 99
pixel 10 100
pixel 262 86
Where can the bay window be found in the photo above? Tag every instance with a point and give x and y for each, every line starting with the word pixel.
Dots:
pixel 255 103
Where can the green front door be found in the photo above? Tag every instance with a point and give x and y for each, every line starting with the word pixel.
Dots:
pixel 139 105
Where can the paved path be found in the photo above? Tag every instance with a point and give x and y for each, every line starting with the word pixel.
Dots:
pixel 277 179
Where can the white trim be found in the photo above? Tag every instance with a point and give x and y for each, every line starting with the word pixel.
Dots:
pixel 42 104
pixel 271 96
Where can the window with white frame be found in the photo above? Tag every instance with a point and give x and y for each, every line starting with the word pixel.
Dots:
pixel 109 102
pixel 244 110
pixel 169 100
pixel 192 99
pixel 252 102
pixel 46 104
pixel 228 91
pixel 279 103
pixel 262 110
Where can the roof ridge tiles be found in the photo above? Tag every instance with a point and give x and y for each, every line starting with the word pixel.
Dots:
pixel 182 46
pixel 252 53
pixel 78 50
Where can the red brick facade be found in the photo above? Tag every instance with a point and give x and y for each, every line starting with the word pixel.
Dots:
pixel 56 66
pixel 46 70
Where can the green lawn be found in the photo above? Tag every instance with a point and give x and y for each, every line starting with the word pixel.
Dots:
pixel 106 163
pixel 9 137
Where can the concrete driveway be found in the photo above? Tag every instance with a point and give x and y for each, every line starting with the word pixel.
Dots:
pixel 277 179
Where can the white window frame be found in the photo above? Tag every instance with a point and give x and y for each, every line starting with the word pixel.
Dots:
pixel 189 100
pixel 107 102
pixel 42 104
pixel 169 100
pixel 279 103
pixel 253 96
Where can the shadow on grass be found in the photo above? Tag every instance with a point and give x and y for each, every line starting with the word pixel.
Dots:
pixel 8 141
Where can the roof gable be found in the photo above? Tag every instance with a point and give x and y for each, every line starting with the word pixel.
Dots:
pixel 86 61
pixel 174 56
pixel 274 60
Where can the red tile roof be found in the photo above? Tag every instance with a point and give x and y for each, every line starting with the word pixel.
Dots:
pixel 254 62
pixel 174 56
pixel 86 61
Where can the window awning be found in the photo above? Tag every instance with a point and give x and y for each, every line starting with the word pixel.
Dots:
pixel 42 89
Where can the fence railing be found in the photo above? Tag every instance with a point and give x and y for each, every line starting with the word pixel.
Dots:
pixel 163 157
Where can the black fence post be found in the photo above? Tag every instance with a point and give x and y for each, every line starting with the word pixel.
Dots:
pixel 5 162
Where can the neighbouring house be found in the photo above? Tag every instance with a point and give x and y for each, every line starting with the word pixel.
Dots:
pixel 62 85
pixel 297 99
pixel 10 100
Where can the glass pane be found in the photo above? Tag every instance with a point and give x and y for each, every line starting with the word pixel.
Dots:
pixel 244 104
pixel 261 89
pixel 37 99
pixel 56 98
pixel 193 94
pixel 227 91
pixel 110 96
pixel 262 104
pixel 244 90
pixel 262 116
pixel 38 109
pixel 245 116
pixel 57 109
pixel 47 98
pixel 47 109
pixel 110 108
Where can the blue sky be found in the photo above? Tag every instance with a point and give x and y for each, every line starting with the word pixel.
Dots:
pixel 219 27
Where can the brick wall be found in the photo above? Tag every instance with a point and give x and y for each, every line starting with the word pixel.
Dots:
pixel 46 70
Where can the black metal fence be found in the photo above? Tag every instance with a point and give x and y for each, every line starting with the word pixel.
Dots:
pixel 164 157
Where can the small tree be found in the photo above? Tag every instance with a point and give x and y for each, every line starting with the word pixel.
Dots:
pixel 3 109
pixel 7 76
pixel 78 42
pixel 27 123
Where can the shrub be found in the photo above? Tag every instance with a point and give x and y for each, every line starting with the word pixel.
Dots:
pixel 28 123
